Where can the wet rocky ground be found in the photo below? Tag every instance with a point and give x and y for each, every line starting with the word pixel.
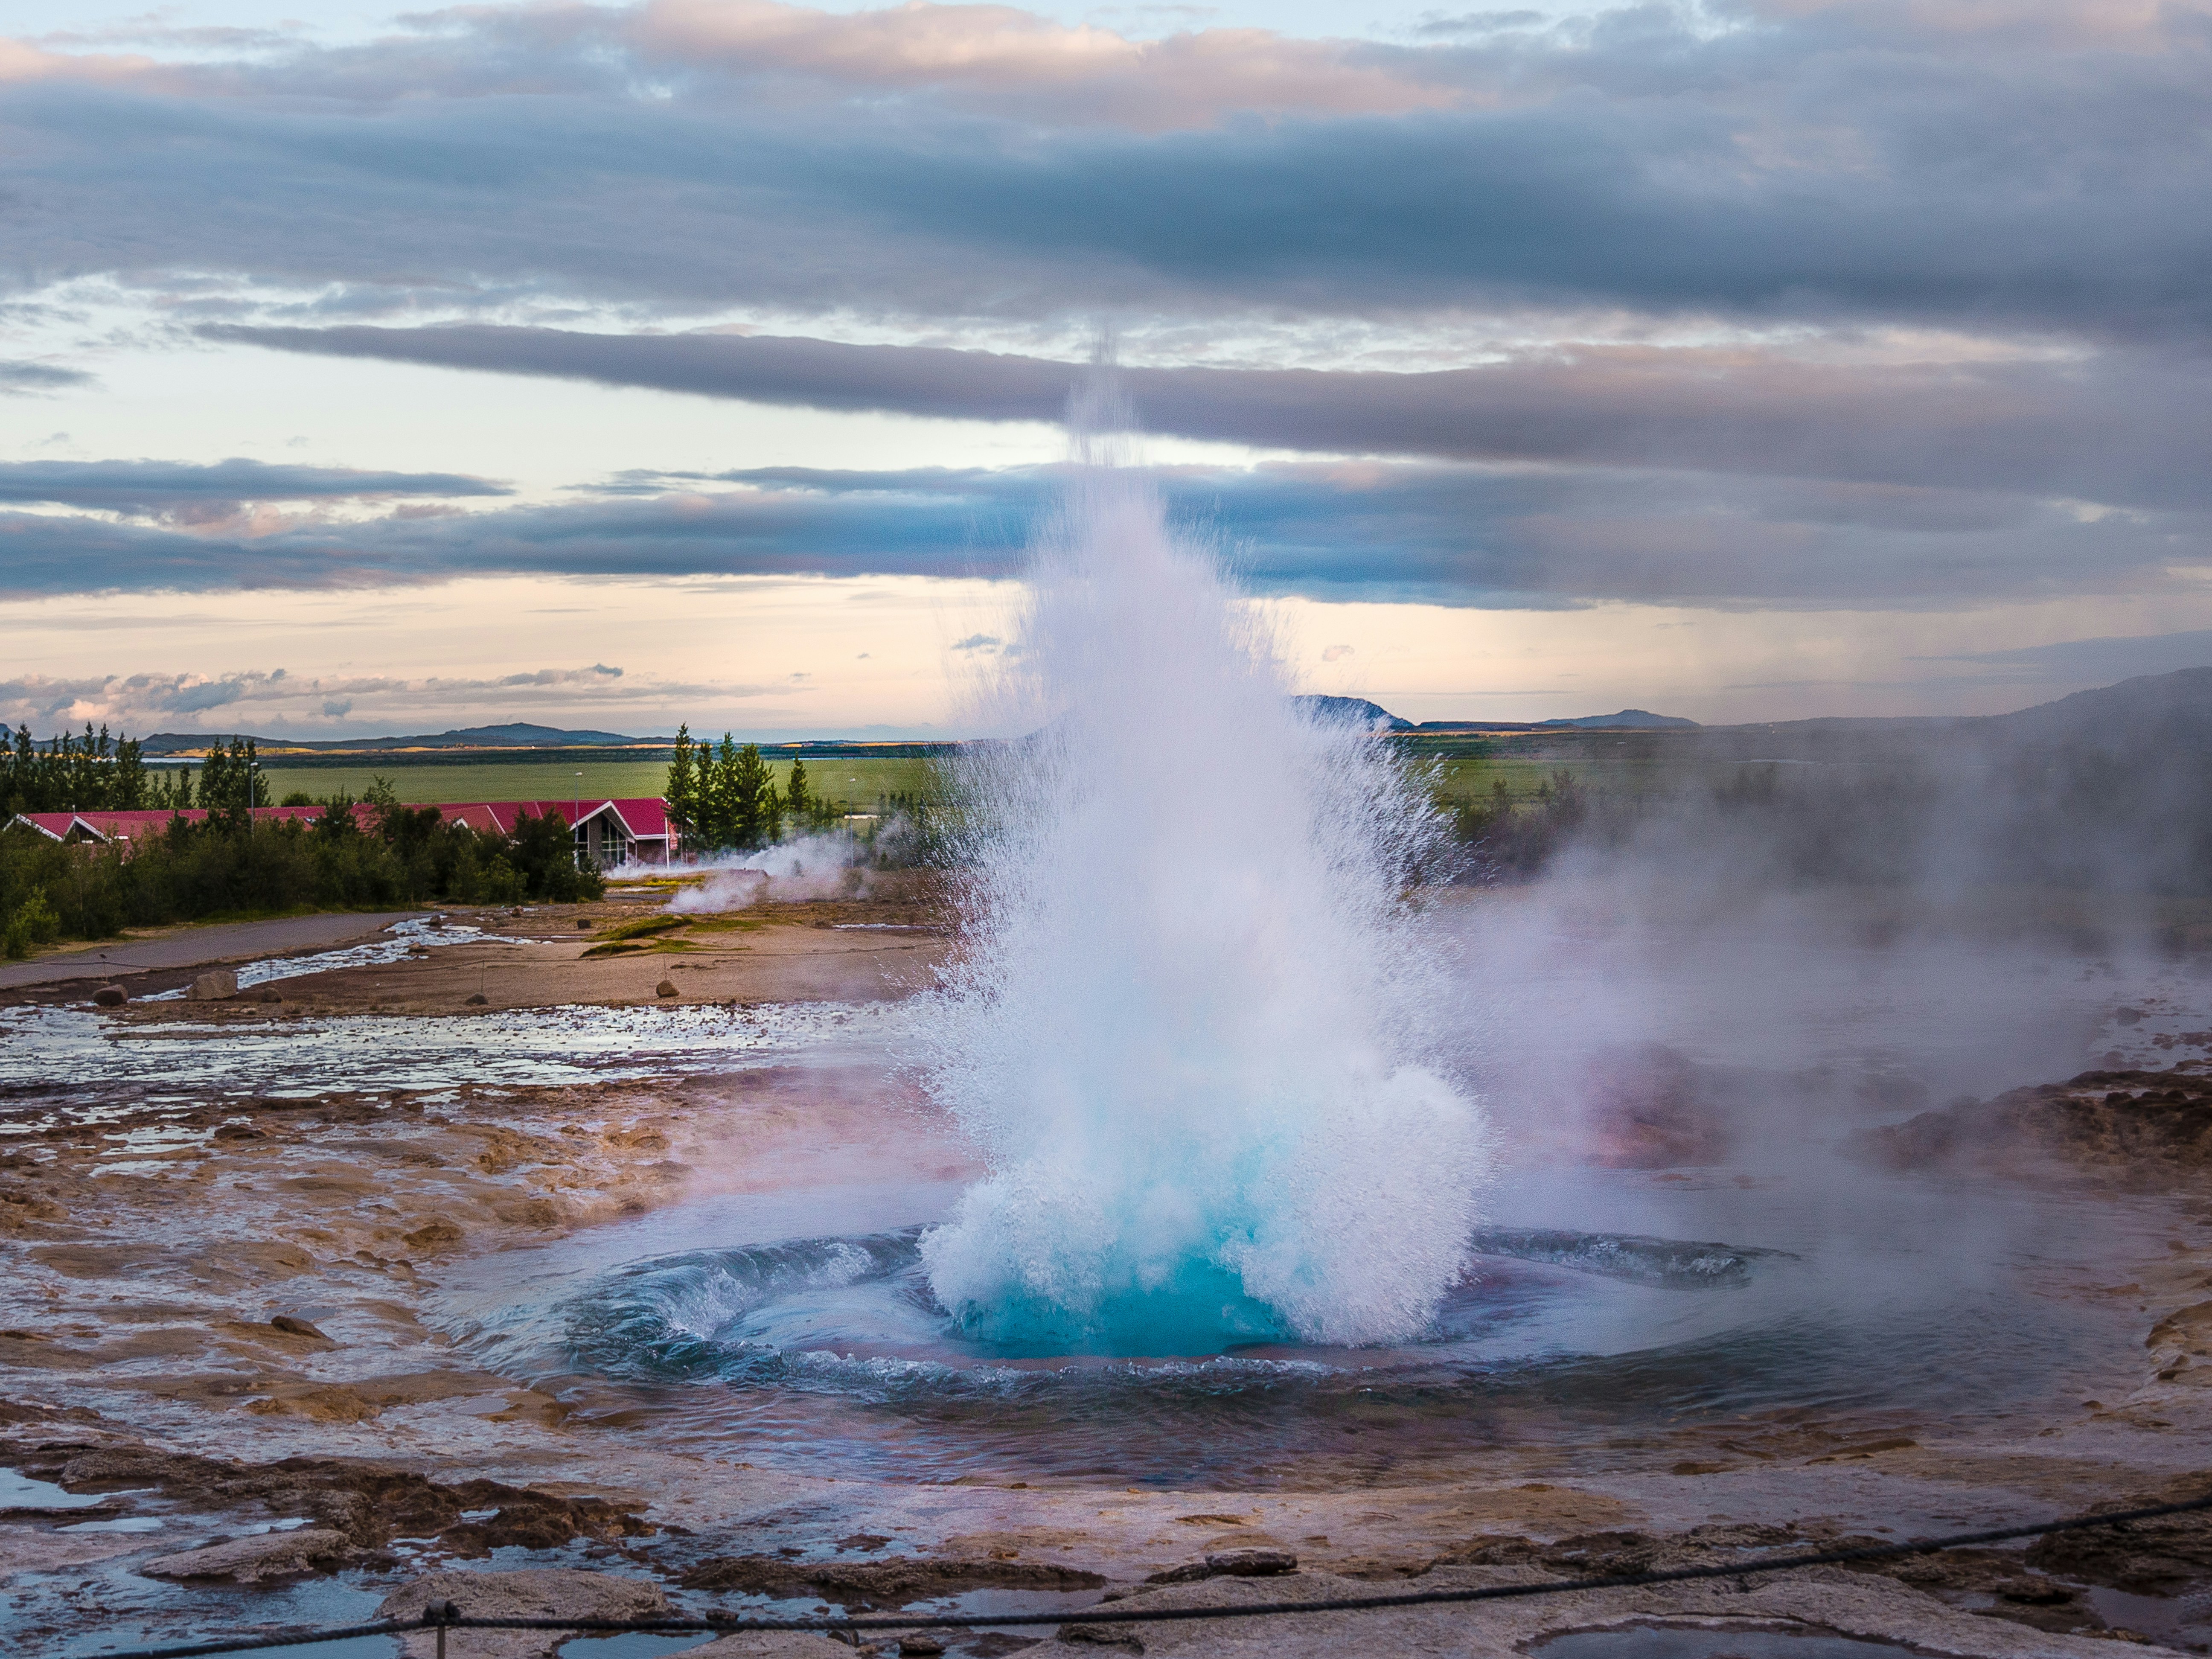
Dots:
pixel 231 1396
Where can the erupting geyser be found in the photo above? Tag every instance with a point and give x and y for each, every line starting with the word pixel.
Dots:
pixel 1192 1023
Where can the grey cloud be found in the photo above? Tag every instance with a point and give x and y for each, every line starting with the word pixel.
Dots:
pixel 1850 162
pixel 192 699
pixel 153 487
pixel 2093 661
pixel 143 700
pixel 2125 430
pixel 592 676
pixel 1448 534
pixel 735 531
pixel 19 376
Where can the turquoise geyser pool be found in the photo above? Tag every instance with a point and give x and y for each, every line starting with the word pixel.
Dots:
pixel 828 1350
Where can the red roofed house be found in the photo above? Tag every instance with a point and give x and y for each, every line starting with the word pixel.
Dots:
pixel 134 825
pixel 612 833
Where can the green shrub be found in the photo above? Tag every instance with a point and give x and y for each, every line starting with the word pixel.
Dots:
pixel 32 923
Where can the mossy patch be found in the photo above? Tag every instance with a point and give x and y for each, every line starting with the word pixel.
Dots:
pixel 640 947
pixel 643 928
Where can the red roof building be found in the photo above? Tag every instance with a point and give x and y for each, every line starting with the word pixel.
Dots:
pixel 612 833
pixel 132 826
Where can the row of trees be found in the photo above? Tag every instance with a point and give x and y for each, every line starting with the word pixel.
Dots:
pixel 1506 840
pixel 99 772
pixel 90 774
pixel 724 796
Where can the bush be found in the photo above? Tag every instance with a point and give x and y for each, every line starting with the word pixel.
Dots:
pixel 34 923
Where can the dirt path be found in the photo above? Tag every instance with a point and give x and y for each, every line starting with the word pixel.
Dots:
pixel 198 947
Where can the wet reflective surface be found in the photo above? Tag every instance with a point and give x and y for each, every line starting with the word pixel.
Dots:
pixel 71 1065
pixel 829 1350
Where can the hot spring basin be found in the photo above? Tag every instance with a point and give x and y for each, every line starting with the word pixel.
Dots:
pixel 745 1321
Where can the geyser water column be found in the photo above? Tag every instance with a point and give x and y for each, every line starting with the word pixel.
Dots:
pixel 1189 1023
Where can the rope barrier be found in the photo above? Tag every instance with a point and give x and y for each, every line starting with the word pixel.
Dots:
pixel 443 1616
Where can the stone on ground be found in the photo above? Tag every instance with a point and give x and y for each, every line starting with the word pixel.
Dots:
pixel 269 1555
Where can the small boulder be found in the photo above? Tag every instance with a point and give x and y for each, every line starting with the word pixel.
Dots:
pixel 581 925
pixel 216 985
pixel 1190 1572
pixel 110 996
pixel 269 993
pixel 432 1236
pixel 1228 1563
pixel 666 988
pixel 268 1555
pixel 477 999
pixel 293 1326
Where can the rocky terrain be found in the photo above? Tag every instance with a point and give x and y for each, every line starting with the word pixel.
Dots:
pixel 230 1401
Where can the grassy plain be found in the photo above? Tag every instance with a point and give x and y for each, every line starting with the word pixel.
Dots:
pixel 1602 764
pixel 860 783
pixel 857 782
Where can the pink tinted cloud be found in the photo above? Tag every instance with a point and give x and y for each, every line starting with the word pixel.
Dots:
pixel 1003 57
pixel 20 61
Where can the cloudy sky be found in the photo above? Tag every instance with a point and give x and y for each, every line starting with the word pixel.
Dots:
pixel 612 365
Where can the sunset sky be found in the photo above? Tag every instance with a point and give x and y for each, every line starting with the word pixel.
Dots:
pixel 611 366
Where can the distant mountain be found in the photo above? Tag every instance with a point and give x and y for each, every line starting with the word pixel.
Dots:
pixel 1640 719
pixel 517 734
pixel 2150 711
pixel 1375 717
pixel 1351 711
pixel 514 735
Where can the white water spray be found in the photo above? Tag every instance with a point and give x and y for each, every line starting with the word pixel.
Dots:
pixel 1188 1022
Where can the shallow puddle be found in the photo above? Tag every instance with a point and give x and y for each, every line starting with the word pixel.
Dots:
pixel 414 935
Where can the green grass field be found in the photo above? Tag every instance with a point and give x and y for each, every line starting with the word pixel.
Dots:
pixel 857 783
pixel 1462 779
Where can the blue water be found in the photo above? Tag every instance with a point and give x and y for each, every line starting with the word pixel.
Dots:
pixel 828 1350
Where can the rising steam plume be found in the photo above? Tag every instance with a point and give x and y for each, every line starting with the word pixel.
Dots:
pixel 1190 1025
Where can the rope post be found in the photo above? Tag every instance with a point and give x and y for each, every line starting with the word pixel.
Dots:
pixel 440 1613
